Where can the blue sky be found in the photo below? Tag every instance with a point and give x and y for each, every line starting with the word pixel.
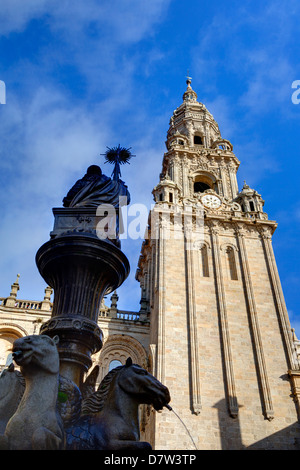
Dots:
pixel 84 75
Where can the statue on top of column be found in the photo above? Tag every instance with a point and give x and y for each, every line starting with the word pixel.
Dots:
pixel 94 189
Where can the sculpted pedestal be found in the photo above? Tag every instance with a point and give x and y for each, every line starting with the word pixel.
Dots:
pixel 81 269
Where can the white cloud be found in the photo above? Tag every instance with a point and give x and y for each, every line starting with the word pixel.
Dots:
pixel 55 139
pixel 15 14
pixel 253 46
pixel 270 83
pixel 48 144
pixel 119 20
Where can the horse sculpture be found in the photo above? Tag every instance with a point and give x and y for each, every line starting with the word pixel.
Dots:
pixel 39 409
pixel 36 424
pixel 110 419
pixel 12 386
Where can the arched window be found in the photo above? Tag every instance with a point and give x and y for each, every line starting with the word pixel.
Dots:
pixel 198 140
pixel 7 339
pixel 116 350
pixel 231 263
pixel 200 187
pixel 203 181
pixel 113 364
pixel 204 261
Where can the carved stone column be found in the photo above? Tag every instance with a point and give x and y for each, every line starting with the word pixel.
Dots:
pixel 185 181
pixel 81 269
pixel 233 180
pixel 224 181
pixel 176 168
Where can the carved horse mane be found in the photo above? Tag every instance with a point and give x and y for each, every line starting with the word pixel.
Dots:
pixel 12 386
pixel 95 402
pixel 110 417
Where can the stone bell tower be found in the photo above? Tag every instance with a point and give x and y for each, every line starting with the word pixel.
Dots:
pixel 220 336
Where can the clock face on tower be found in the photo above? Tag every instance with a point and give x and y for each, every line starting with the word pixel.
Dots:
pixel 211 201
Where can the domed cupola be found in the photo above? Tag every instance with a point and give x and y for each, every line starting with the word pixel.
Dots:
pixel 191 124
pixel 198 158
pixel 251 202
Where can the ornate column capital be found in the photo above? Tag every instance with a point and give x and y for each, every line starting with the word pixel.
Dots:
pixel 214 227
pixel 265 233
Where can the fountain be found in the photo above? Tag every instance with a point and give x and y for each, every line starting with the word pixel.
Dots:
pixel 81 268
pixel 82 263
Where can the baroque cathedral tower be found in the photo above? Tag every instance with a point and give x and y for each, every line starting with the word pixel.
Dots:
pixel 213 324
pixel 220 336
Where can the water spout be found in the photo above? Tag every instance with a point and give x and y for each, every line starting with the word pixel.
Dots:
pixel 171 409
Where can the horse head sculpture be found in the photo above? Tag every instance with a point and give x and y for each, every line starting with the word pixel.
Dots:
pixel 144 387
pixel 110 418
pixel 36 424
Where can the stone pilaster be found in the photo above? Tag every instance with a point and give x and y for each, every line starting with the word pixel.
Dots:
pixel 227 353
pixel 160 352
pixel 279 298
pixel 254 324
pixel 192 323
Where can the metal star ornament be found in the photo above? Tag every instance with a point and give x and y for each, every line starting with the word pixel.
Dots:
pixel 117 156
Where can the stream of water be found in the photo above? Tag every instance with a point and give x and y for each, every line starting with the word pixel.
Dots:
pixel 171 409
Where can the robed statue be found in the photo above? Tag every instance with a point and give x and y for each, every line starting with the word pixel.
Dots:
pixel 94 189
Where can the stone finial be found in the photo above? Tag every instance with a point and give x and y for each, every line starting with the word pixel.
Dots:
pixel 15 287
pixel 46 303
pixel 113 306
pixel 190 94
pixel 11 300
pixel 188 80
pixel 48 292
pixel 114 300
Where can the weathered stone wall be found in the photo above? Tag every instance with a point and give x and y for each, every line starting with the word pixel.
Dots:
pixel 255 362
